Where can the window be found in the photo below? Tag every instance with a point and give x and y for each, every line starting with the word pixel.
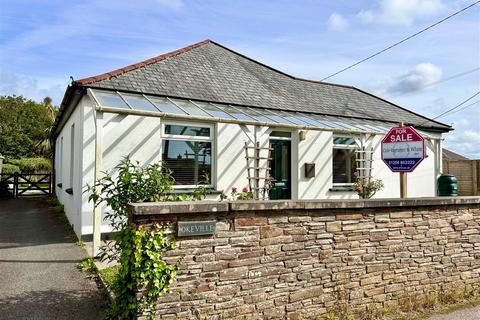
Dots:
pixel 110 99
pixel 187 151
pixel 165 105
pixel 281 134
pixel 60 163
pixel 72 159
pixel 344 160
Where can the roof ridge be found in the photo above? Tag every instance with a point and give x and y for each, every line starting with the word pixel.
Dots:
pixel 328 83
pixel 117 72
pixel 280 71
pixel 120 71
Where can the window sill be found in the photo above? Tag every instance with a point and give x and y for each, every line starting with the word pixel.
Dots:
pixel 191 190
pixel 69 190
pixel 342 189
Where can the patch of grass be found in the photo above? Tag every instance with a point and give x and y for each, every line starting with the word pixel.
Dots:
pixel 411 306
pixel 88 265
pixel 109 275
pixel 60 212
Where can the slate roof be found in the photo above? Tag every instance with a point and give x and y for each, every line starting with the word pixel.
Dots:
pixel 211 72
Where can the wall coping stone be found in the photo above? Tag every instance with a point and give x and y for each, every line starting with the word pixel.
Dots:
pixel 192 207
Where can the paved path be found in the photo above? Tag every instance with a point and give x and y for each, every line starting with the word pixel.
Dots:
pixel 472 313
pixel 38 274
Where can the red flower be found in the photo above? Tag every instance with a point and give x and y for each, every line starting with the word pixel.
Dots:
pixel 245 189
pixel 234 190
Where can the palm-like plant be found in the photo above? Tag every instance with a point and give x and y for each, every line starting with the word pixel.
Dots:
pixel 45 145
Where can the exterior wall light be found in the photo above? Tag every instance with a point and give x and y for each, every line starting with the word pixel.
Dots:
pixel 302 135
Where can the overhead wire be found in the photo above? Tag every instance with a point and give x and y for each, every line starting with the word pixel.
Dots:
pixel 453 108
pixel 402 41
pixel 463 108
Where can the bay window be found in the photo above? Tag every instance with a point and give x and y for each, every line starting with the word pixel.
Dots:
pixel 187 151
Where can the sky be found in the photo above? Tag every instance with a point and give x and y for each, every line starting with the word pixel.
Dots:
pixel 44 43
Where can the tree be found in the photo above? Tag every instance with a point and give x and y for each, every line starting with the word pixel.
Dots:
pixel 24 125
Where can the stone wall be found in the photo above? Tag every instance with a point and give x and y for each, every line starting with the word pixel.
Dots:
pixel 277 259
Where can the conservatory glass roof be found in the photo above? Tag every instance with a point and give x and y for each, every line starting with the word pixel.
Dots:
pixel 123 102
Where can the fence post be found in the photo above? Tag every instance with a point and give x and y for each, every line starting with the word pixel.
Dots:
pixel 475 178
pixel 15 185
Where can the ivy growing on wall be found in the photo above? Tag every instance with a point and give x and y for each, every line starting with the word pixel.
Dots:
pixel 143 275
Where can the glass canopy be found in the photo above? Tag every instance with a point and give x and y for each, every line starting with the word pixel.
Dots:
pixel 175 106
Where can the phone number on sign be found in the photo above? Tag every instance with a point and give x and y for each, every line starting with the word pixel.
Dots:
pixel 404 162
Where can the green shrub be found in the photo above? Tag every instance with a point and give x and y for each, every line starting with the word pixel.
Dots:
pixel 142 276
pixel 32 165
pixel 10 168
pixel 109 275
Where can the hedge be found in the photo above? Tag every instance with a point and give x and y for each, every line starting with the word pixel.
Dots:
pixel 32 165
pixel 10 168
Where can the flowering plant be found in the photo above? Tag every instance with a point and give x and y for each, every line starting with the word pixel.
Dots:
pixel 367 188
pixel 235 195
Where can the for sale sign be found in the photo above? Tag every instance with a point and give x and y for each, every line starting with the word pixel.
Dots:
pixel 403 149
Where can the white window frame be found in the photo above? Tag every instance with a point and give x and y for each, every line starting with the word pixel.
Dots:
pixel 72 156
pixel 280 138
pixel 210 139
pixel 60 163
pixel 352 147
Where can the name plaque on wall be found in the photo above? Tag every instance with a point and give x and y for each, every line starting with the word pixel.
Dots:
pixel 195 228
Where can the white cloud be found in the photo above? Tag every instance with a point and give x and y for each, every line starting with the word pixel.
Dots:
pixel 337 22
pixel 402 12
pixel 15 84
pixel 414 80
pixel 465 142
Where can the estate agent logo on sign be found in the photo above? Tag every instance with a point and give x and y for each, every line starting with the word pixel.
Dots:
pixel 403 149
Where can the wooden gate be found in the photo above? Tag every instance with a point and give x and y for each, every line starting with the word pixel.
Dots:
pixel 25 184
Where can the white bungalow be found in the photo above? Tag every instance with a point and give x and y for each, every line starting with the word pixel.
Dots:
pixel 198 108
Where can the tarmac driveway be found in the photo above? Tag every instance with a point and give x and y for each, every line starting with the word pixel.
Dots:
pixel 38 274
pixel 472 313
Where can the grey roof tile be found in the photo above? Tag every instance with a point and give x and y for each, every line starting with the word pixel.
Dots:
pixel 209 71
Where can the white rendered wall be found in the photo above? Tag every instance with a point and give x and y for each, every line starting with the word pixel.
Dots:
pixel 140 138
pixel 317 148
pixel 123 135
pixel 71 202
pixel 230 162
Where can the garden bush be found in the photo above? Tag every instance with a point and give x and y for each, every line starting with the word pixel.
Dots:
pixel 143 276
pixel 32 165
pixel 10 168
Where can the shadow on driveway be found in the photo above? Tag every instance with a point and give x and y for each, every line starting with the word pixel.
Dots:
pixel 38 257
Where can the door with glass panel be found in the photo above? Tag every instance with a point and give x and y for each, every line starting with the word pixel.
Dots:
pixel 280 170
